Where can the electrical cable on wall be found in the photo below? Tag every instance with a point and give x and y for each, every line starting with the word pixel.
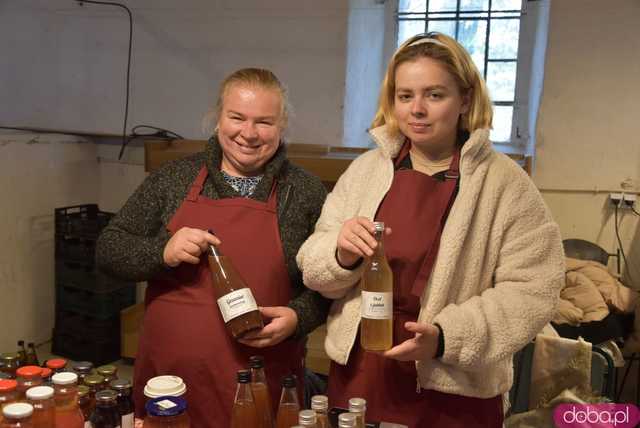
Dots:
pixel 125 140
pixel 624 257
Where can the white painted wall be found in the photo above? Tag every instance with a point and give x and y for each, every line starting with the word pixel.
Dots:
pixel 38 173
pixel 587 138
pixel 64 65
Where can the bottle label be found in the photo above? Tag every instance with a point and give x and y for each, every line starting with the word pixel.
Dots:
pixel 127 420
pixel 236 303
pixel 377 306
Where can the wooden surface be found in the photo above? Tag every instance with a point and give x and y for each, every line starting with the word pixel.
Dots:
pixel 326 162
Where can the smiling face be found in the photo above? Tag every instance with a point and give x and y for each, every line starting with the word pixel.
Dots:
pixel 249 128
pixel 427 106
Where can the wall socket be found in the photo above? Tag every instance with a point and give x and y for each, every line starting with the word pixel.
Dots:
pixel 622 200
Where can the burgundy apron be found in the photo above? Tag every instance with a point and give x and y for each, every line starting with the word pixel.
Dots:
pixel 415 208
pixel 183 332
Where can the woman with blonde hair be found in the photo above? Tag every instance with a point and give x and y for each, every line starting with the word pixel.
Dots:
pixel 243 195
pixel 476 257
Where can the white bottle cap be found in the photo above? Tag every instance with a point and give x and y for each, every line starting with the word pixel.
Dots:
pixel 40 393
pixel 17 410
pixel 160 386
pixel 357 404
pixel 347 420
pixel 319 402
pixel 306 417
pixel 64 378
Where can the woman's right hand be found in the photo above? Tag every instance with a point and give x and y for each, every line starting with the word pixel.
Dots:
pixel 355 240
pixel 186 245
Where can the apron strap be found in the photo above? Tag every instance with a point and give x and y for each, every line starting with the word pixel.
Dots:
pixel 272 201
pixel 198 184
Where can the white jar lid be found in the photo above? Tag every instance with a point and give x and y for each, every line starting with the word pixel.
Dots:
pixel 40 393
pixel 64 378
pixel 165 385
pixel 17 410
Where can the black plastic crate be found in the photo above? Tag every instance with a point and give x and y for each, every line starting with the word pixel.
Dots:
pixel 83 348
pixel 80 325
pixel 81 221
pixel 79 250
pixel 94 304
pixel 87 277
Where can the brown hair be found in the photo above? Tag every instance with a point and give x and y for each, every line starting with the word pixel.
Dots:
pixel 457 61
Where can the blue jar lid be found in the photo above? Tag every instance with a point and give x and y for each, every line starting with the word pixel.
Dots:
pixel 166 406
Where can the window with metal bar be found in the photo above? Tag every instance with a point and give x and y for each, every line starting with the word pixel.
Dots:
pixel 490 31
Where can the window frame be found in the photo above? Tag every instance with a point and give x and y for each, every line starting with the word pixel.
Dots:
pixel 526 96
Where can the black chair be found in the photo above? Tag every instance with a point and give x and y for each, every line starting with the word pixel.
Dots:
pixel 585 250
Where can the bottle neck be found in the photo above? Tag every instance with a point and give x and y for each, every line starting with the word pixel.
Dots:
pixel 258 376
pixel 289 396
pixel 243 393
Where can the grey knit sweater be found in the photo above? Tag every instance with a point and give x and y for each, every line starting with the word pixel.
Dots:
pixel 131 246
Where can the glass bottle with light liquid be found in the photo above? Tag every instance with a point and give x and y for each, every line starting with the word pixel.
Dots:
pixel 320 404
pixel 358 406
pixel 260 389
pixel 244 413
pixel 376 325
pixel 289 405
pixel 236 302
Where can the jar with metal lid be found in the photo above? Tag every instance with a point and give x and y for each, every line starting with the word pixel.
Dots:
pixel 125 402
pixel 95 383
pixel 106 413
pixel 82 369
pixel 17 415
pixel 28 377
pixel 85 402
pixel 9 363
pixel 44 406
pixel 108 372
pixel 166 412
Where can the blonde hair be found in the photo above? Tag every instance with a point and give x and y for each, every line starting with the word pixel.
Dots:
pixel 251 78
pixel 457 61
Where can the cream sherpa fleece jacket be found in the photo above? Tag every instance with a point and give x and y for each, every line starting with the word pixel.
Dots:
pixel 496 279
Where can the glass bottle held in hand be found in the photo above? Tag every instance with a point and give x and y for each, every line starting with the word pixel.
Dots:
pixel 235 300
pixel 376 326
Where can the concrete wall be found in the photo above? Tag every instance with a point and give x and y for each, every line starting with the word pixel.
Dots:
pixel 587 139
pixel 64 64
pixel 38 173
